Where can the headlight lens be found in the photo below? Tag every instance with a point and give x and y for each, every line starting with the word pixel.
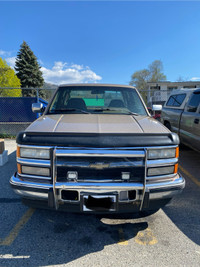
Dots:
pixel 160 171
pixel 161 153
pixel 36 171
pixel 36 153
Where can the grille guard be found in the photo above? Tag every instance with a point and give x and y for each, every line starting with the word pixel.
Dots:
pixel 91 152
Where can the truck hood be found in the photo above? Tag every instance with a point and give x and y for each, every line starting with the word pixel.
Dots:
pixel 96 123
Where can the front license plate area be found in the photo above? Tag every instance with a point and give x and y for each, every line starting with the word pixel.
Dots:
pixel 99 203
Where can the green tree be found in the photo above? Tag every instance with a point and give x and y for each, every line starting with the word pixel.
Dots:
pixel 28 70
pixel 156 74
pixel 8 78
pixel 153 73
pixel 140 78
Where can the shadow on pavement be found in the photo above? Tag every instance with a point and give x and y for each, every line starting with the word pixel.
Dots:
pixel 50 237
pixel 184 210
pixel 53 238
pixel 59 238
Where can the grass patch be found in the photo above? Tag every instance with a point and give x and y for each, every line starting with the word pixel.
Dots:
pixel 7 136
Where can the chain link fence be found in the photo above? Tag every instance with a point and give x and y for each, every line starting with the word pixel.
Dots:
pixel 15 105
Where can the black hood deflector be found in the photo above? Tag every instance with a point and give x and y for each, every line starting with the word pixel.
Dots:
pixel 97 140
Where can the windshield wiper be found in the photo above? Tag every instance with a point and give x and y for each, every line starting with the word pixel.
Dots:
pixel 105 109
pixel 63 110
pixel 119 111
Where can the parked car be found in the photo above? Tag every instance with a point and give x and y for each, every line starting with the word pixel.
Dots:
pixel 97 149
pixel 181 114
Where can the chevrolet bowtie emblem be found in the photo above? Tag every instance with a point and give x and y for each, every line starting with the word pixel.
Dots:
pixel 99 165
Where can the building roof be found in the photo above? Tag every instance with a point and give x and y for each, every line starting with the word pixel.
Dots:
pixel 186 83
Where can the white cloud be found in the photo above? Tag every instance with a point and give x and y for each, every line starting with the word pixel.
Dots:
pixel 63 72
pixel 11 61
pixel 195 79
pixel 5 53
pixel 59 65
pixel 78 67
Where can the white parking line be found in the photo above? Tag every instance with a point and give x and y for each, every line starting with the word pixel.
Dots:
pixel 10 256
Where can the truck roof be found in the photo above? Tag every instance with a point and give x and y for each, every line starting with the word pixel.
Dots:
pixel 95 84
pixel 183 90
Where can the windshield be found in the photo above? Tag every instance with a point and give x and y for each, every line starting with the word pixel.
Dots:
pixel 97 99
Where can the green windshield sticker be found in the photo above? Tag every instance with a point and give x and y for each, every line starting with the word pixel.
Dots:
pixel 94 102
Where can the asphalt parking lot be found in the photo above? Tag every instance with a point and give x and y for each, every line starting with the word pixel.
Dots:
pixel 171 237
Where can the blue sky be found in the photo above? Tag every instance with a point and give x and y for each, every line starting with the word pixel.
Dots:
pixel 104 41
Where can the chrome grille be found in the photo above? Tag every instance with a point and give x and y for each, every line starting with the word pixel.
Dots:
pixel 100 165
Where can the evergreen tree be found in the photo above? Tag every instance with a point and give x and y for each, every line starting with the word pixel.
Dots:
pixel 28 70
pixel 9 79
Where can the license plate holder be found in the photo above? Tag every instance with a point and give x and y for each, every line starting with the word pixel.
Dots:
pixel 101 203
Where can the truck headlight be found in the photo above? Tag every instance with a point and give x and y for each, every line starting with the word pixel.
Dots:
pixel 164 153
pixel 35 171
pixel 157 171
pixel 36 153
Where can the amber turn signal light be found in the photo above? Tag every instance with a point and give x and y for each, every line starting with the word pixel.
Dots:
pixel 176 168
pixel 177 152
pixel 18 152
pixel 19 168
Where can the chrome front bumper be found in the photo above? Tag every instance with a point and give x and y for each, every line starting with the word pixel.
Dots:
pixel 154 191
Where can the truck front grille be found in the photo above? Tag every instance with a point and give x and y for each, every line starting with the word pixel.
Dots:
pixel 99 167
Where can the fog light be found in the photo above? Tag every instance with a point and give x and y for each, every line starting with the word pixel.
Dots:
pixel 125 175
pixel 35 171
pixel 72 176
pixel 160 171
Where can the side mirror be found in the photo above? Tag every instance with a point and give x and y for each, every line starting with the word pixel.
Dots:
pixel 157 107
pixel 37 107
